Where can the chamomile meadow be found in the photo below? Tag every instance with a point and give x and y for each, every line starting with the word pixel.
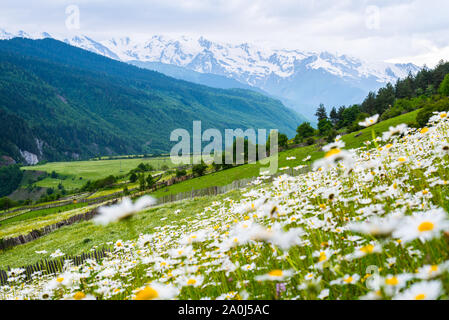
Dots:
pixel 374 213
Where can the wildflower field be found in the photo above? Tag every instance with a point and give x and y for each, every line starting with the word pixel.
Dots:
pixel 366 223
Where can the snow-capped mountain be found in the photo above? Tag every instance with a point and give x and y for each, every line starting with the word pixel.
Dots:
pixel 247 62
pixel 302 80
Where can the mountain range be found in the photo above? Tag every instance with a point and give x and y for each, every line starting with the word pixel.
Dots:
pixel 300 79
pixel 60 102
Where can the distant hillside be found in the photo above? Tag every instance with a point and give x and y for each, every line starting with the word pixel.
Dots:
pixel 61 102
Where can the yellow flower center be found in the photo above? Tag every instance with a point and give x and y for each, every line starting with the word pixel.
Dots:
pixel 332 152
pixel 433 268
pixel 191 282
pixel 393 281
pixel 275 273
pixel 349 279
pixel 402 159
pixel 60 279
pixel 322 257
pixel 443 115
pixel 420 296
pixel 79 295
pixel 424 130
pixel 147 293
pixel 426 226
pixel 367 249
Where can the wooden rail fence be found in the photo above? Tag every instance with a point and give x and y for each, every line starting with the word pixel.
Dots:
pixel 56 265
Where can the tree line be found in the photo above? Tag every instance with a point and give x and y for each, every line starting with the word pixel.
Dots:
pixel 427 90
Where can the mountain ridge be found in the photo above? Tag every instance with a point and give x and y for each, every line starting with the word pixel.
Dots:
pixel 281 73
pixel 78 104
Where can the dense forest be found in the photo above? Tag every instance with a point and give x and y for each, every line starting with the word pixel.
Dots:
pixel 427 90
pixel 10 177
pixel 68 103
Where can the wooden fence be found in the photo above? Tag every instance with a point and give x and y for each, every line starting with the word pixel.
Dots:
pixel 215 190
pixel 56 265
pixel 33 235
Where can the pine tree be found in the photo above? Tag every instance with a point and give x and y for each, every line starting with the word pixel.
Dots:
pixel 369 105
pixel 321 113
pixel 334 116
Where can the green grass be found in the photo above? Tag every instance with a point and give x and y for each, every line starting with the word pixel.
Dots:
pixel 91 170
pixel 42 213
pixel 38 221
pixel 81 237
pixel 226 177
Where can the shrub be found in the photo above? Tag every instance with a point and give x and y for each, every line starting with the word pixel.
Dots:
pixel 199 169
pixel 435 106
pixel 444 86
pixel 310 141
pixel 133 177
pixel 305 130
pixel 180 173
pixel 6 203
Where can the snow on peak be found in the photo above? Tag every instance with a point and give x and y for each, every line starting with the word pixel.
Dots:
pixel 244 62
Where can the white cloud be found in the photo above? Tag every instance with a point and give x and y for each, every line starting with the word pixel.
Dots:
pixel 404 29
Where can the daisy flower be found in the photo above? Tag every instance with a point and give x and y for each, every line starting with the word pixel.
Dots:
pixel 393 131
pixel 377 227
pixel 347 279
pixel 430 290
pixel 369 121
pixel 429 271
pixel 393 283
pixel 275 275
pixel 79 295
pixel 364 250
pixel 422 225
pixel 156 291
pixel 123 210
pixel 192 281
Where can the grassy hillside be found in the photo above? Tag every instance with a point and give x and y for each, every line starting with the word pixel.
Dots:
pixel 352 140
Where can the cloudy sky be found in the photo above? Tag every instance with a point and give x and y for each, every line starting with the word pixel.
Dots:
pixel 390 30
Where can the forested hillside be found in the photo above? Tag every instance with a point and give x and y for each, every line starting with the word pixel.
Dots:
pixel 66 103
